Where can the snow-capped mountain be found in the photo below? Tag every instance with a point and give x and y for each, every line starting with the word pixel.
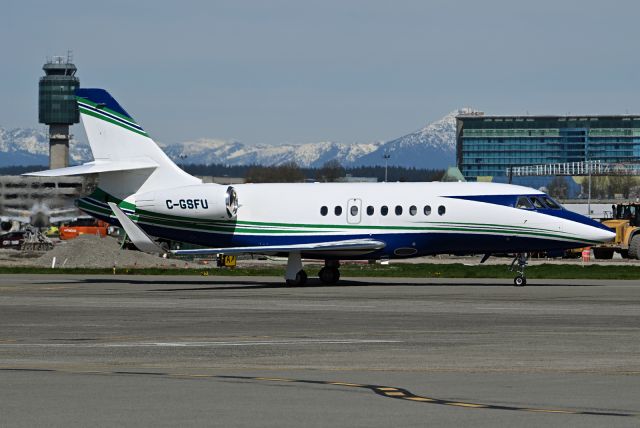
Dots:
pixel 433 146
pixel 430 147
pixel 30 146
pixel 235 153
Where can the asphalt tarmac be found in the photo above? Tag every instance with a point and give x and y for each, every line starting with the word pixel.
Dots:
pixel 205 351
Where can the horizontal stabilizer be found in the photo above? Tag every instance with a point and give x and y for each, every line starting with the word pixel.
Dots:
pixel 359 245
pixel 96 167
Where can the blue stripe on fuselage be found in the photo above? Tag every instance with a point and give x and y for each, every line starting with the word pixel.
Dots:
pixel 510 201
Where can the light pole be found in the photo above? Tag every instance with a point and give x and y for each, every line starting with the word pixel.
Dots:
pixel 386 157
pixel 589 197
pixel 589 165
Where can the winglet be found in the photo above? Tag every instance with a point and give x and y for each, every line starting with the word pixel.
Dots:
pixel 140 239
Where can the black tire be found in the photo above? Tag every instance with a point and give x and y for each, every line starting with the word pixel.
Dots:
pixel 519 281
pixel 329 275
pixel 301 279
pixel 603 253
pixel 634 247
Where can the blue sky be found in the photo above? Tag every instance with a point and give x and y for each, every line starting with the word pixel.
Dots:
pixel 332 70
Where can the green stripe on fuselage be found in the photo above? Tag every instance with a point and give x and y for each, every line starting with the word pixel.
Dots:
pixel 266 228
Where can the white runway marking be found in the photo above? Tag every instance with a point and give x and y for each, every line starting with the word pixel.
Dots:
pixel 516 308
pixel 323 305
pixel 199 344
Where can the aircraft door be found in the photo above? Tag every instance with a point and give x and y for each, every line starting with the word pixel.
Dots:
pixel 354 211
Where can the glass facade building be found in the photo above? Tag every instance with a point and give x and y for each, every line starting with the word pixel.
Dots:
pixel 488 145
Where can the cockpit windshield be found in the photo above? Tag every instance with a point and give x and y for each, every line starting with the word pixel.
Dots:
pixel 537 202
pixel 524 203
pixel 551 203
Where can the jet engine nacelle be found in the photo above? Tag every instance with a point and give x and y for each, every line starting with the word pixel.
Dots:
pixel 200 201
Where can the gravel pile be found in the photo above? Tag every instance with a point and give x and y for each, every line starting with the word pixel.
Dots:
pixel 91 251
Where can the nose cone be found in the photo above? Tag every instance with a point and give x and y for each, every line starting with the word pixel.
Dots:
pixel 586 228
pixel 602 235
pixel 596 231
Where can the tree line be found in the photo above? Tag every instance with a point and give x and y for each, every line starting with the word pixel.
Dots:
pixel 329 172
pixel 288 172
pixel 602 187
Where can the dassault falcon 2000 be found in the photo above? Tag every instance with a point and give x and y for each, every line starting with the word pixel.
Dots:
pixel 142 190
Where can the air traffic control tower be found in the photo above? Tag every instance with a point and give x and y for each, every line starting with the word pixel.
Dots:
pixel 57 106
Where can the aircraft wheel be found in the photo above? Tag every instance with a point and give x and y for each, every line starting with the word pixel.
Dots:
pixel 329 275
pixel 634 247
pixel 301 279
pixel 519 281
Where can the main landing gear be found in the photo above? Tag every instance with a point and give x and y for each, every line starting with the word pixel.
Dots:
pixel 520 280
pixel 330 273
pixel 295 276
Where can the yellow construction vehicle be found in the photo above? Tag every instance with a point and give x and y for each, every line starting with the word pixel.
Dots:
pixel 626 223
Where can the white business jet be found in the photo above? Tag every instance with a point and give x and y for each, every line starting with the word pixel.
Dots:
pixel 142 190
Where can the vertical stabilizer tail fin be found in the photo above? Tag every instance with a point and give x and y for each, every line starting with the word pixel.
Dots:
pixel 114 136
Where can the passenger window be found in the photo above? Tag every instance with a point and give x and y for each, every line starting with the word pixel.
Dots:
pixel 524 203
pixel 441 210
pixel 427 210
pixel 551 203
pixel 353 210
pixel 398 210
pixel 537 203
pixel 370 210
pixel 413 210
pixel 384 210
pixel 338 210
pixel 324 211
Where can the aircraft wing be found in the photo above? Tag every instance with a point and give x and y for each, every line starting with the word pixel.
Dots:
pixel 19 219
pixel 345 247
pixel 140 239
pixel 357 246
pixel 62 211
pixel 17 212
pixel 61 219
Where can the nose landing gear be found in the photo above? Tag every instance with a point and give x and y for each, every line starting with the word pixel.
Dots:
pixel 520 280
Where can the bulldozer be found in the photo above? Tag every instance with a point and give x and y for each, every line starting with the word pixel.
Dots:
pixel 625 220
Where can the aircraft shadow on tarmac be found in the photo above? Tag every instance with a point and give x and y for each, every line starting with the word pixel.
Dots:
pixel 229 283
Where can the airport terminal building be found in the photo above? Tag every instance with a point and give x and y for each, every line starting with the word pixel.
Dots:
pixel 488 145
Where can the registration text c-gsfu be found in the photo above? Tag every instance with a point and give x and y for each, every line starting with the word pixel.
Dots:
pixel 188 204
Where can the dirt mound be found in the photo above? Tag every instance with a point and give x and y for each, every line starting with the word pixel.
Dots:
pixel 90 251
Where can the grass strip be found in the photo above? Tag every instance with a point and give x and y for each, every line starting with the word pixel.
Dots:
pixel 457 270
